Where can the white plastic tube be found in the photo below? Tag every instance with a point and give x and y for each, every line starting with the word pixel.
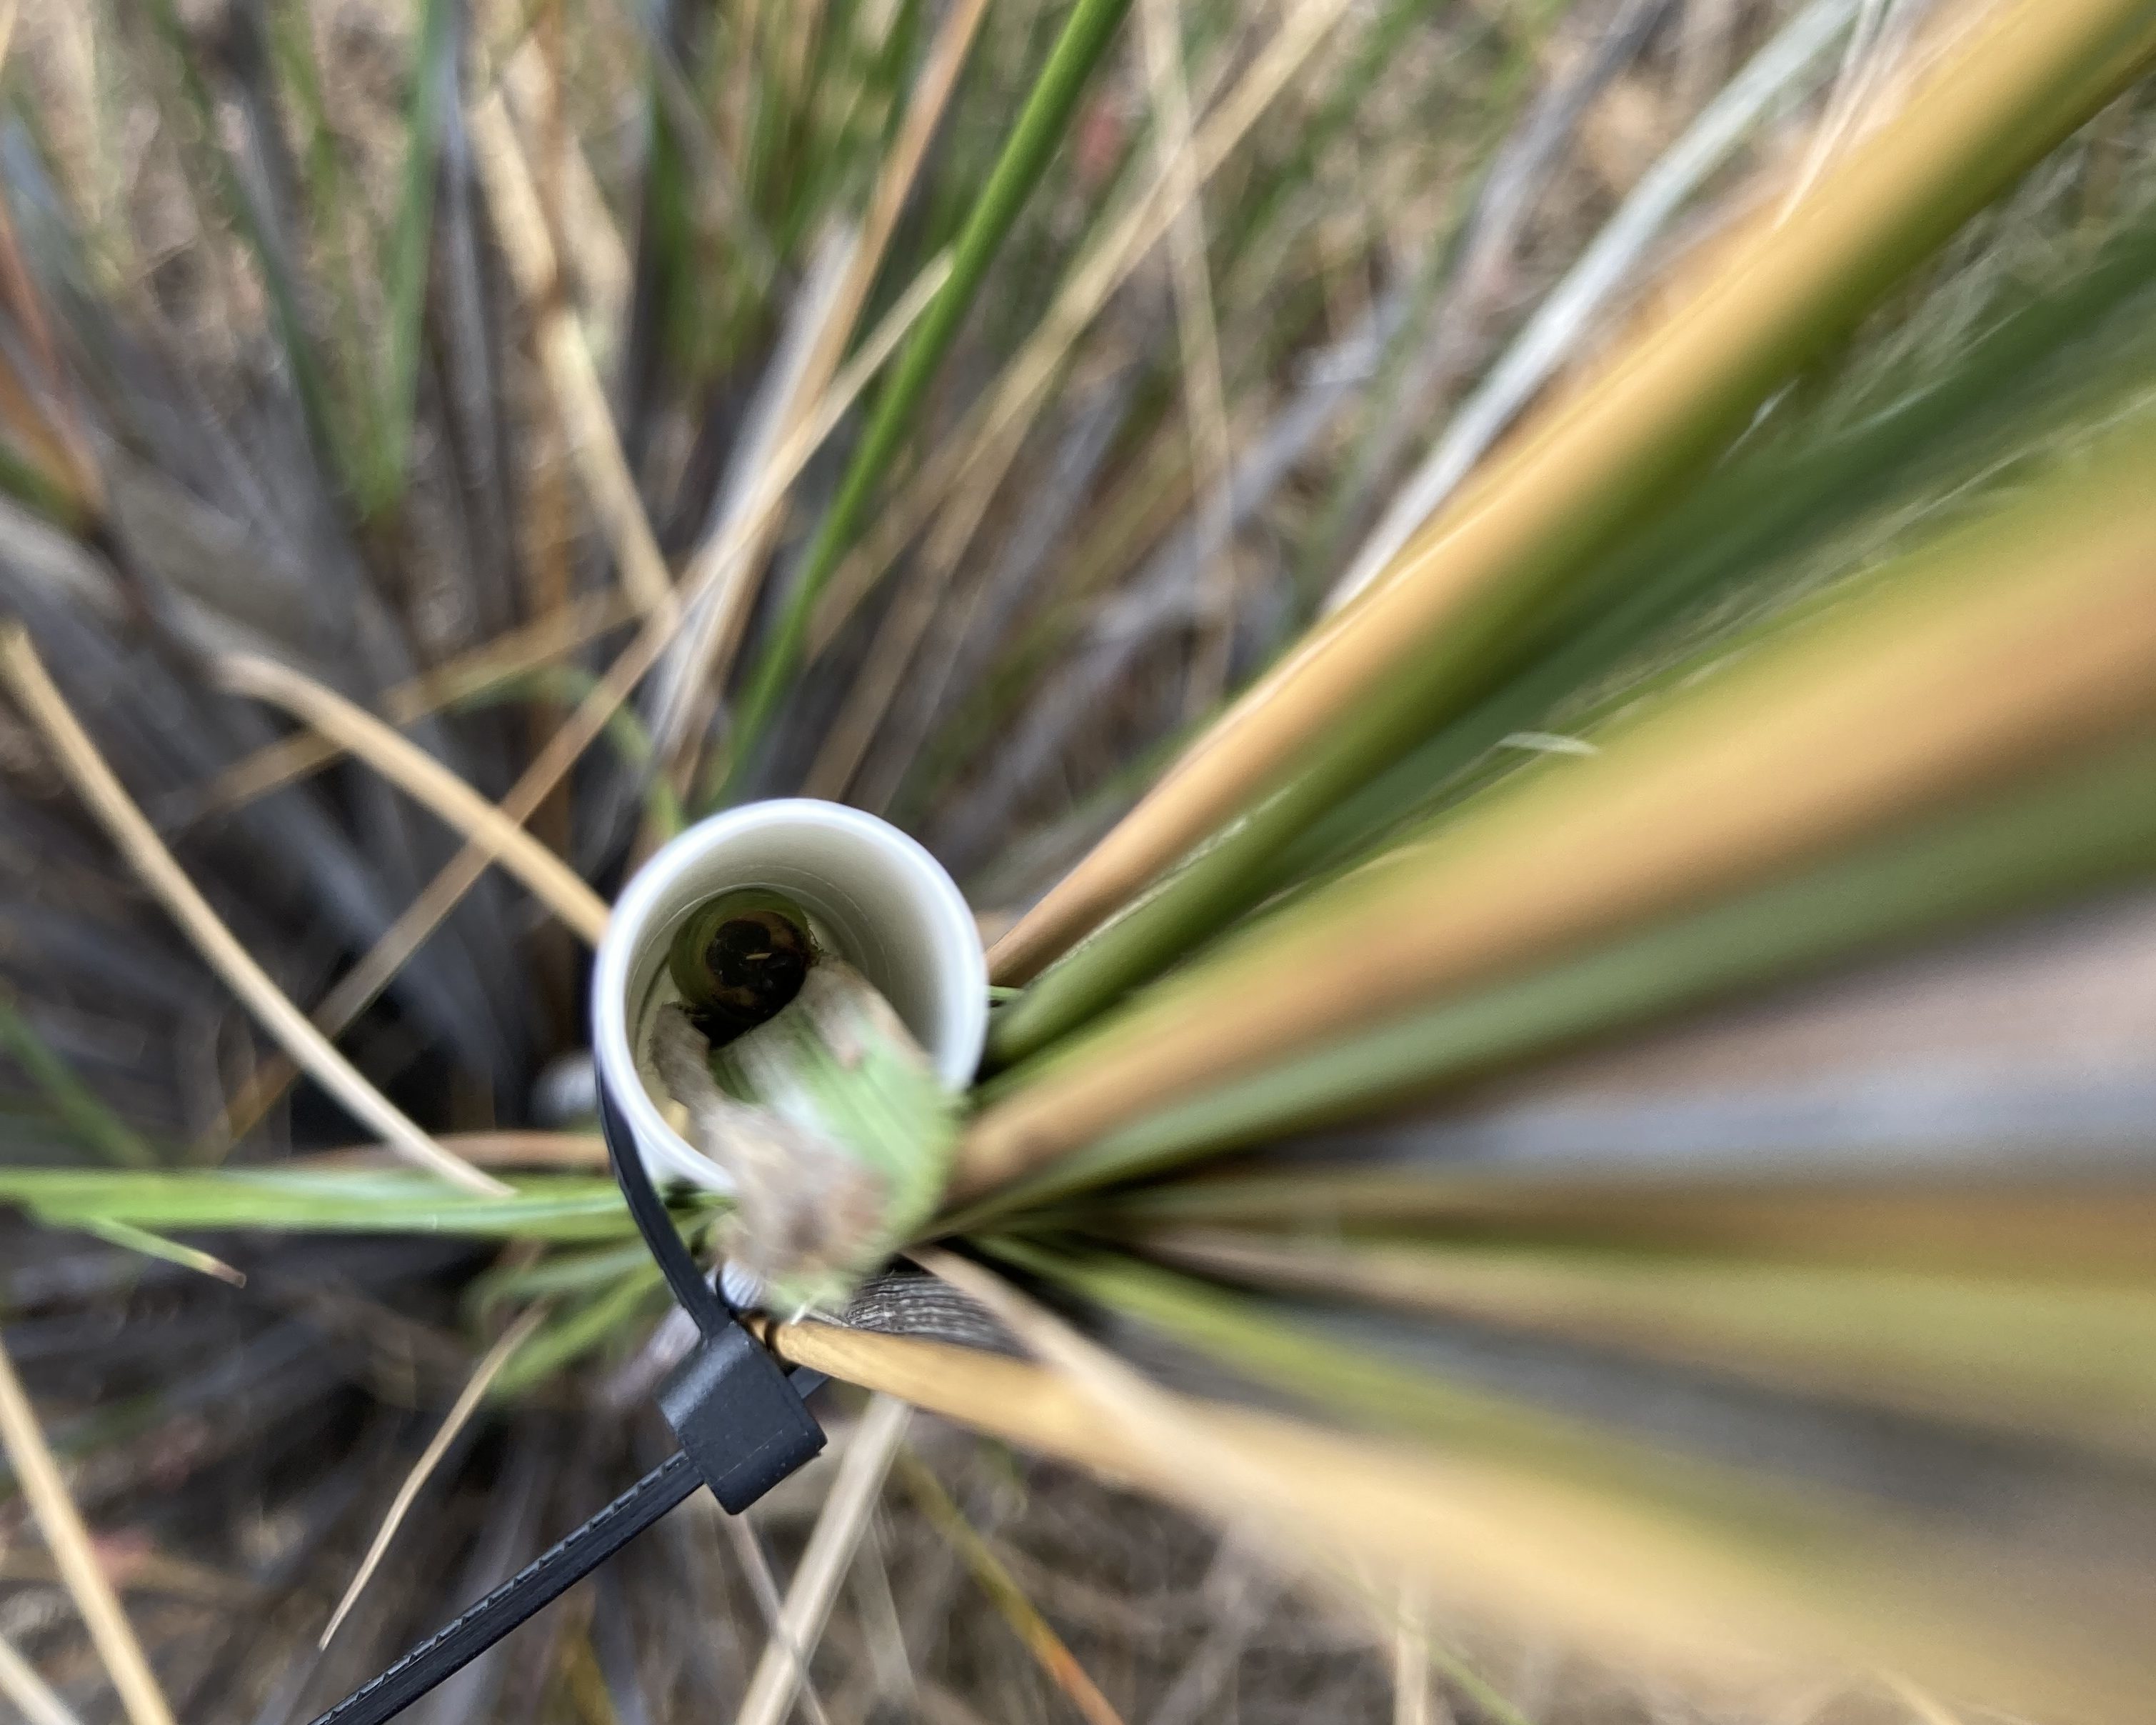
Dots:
pixel 885 903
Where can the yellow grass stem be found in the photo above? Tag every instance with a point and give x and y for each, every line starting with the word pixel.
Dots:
pixel 1625 1575
pixel 33 1697
pixel 1048 1649
pixel 597 257
pixel 576 1150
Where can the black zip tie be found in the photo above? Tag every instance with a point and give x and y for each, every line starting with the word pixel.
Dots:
pixel 538 1583
pixel 735 1409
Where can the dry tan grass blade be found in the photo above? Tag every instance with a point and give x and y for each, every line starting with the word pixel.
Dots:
pixel 727 562
pixel 541 642
pixel 957 487
pixel 1556 487
pixel 454 1421
pixel 39 1477
pixel 929 94
pixel 84 768
pixel 597 258
pixel 740 1534
pixel 412 770
pixel 32 1696
pixel 2016 642
pixel 838 1532
pixel 1210 1472
pixel 1411 1651
pixel 740 551
pixel 576 1151
pixel 1049 1651
pixel 358 987
pixel 520 226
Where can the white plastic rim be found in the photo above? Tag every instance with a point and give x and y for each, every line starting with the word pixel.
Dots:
pixel 886 904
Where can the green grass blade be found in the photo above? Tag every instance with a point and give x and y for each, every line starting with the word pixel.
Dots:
pixel 1032 140
pixel 131 1239
pixel 2052 361
pixel 1721 539
pixel 564 1340
pixel 2076 832
pixel 561 1272
pixel 1970 653
pixel 320 1201
pixel 79 1108
pixel 408 249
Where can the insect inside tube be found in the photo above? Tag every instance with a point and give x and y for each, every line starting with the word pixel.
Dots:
pixel 799 1080
pixel 740 959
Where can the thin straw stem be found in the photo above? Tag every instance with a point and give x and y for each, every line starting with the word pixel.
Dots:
pixel 1554 330
pixel 507 656
pixel 453 1422
pixel 576 1151
pixel 931 92
pixel 521 225
pixel 69 1542
pixel 830 1551
pixel 31 1694
pixel 1205 408
pixel 412 770
pixel 359 987
pixel 1048 1649
pixel 101 790
pixel 997 424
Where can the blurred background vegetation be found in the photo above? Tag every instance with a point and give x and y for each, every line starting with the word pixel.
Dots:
pixel 1679 1017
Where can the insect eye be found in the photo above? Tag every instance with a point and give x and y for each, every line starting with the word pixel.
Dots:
pixel 739 958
